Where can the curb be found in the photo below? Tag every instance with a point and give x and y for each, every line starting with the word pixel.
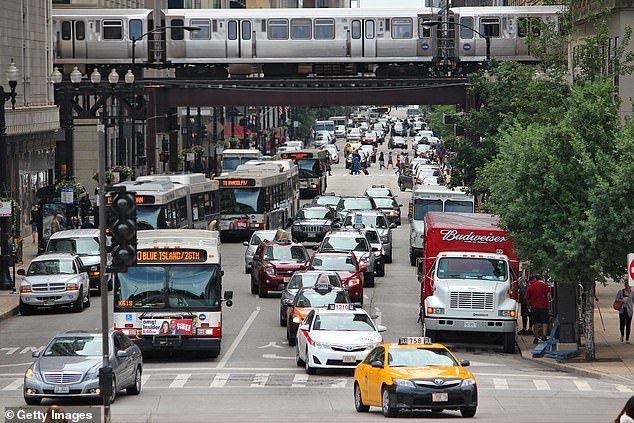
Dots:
pixel 9 313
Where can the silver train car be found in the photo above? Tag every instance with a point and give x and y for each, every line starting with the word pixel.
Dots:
pixel 284 42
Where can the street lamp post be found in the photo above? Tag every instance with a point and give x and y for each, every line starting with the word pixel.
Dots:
pixel 6 282
pixel 487 38
pixel 66 104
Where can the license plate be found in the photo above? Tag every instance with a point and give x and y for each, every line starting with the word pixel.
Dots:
pixel 49 302
pixel 439 396
pixel 61 389
pixel 303 184
pixel 311 235
pixel 470 324
pixel 349 359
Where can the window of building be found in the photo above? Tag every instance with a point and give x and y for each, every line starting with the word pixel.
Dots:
pixel 324 29
pixel 356 30
pixel 177 32
pixel 301 29
pixel 278 29
pixel 205 29
pixel 246 30
pixel 466 29
pixel 401 28
pixel 112 30
pixel 136 29
pixel 490 27
pixel 232 30
pixel 80 30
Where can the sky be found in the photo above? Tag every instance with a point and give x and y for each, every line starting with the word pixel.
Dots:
pixel 389 3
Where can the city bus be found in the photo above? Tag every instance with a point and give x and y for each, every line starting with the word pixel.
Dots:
pixel 339 120
pixel 174 201
pixel 325 125
pixel 233 157
pixel 171 300
pixel 255 199
pixel 313 171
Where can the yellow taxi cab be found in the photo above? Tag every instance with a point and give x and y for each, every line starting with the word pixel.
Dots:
pixel 414 374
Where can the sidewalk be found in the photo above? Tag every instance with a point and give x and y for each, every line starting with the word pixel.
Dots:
pixel 9 301
pixel 613 358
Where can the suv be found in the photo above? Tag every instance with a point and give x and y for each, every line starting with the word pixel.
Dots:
pixel 352 240
pixel 84 243
pixel 312 223
pixel 326 199
pixel 54 280
pixel 274 262
pixel 347 204
pixel 373 219
pixel 374 239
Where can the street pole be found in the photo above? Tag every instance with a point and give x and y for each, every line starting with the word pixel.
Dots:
pixel 69 131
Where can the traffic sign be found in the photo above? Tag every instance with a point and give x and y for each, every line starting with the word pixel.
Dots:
pixel 630 267
pixel 5 208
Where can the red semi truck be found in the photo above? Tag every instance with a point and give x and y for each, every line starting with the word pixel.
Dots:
pixel 468 276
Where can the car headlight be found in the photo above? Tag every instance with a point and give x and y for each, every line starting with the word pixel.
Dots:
pixel 507 313
pixel 93 373
pixel 25 287
pixel 32 373
pixel 468 382
pixel 270 270
pixel 297 227
pixel 72 286
pixel 322 345
pixel 378 253
pixel 404 383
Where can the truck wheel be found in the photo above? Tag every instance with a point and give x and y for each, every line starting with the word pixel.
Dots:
pixel 509 344
pixel 78 306
pixel 25 309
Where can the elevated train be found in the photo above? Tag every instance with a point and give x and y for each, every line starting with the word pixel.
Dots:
pixel 300 42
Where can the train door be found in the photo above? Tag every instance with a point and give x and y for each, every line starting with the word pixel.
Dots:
pixel 425 47
pixel 467 45
pixel 239 39
pixel 362 38
pixel 176 44
pixel 495 28
pixel 72 39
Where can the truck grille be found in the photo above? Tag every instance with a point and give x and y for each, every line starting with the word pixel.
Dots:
pixel 63 378
pixel 312 228
pixel 471 300
pixel 49 287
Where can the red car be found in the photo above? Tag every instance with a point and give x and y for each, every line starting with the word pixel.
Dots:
pixel 274 262
pixel 347 266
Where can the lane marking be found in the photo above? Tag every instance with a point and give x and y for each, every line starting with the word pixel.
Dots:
pixel 623 388
pixel 144 378
pixel 299 381
pixel 259 380
pixel 219 380
pixel 210 370
pixel 526 375
pixel 341 383
pixel 582 385
pixel 500 384
pixel 15 365
pixel 180 380
pixel 541 385
pixel 277 357
pixel 236 342
pixel 14 386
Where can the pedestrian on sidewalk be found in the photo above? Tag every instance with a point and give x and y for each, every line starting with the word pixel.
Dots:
pixel 627 414
pixel 381 160
pixel 389 160
pixel 625 297
pixel 35 213
pixel 524 312
pixel 537 298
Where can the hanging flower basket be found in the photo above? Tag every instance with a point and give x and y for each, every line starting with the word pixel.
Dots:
pixel 76 186
pixel 109 177
pixel 197 150
pixel 126 173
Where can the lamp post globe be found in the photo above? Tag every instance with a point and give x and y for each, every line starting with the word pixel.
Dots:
pixel 95 77
pixel 75 76
pixel 12 73
pixel 113 77
pixel 56 76
pixel 129 77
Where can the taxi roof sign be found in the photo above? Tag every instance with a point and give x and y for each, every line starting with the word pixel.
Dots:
pixel 341 306
pixel 322 287
pixel 415 340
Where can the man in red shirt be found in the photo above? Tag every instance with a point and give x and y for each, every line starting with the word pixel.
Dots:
pixel 537 299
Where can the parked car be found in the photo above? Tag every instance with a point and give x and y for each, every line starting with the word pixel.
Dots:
pixel 252 245
pixel 302 279
pixel 54 280
pixel 69 367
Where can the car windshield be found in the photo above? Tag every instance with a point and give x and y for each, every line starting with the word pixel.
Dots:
pixel 67 346
pixel 382 202
pixel 327 200
pixel 241 200
pixel 420 357
pixel 315 299
pixel 301 280
pixel 327 262
pixel 313 214
pixel 230 163
pixel 472 268
pixel 343 322
pixel 459 206
pixel 368 220
pixel 345 243
pixel 378 192
pixel 178 286
pixel 51 267
pixel 285 252
pixel 354 204
pixel 259 237
pixel 81 246
pixel 308 168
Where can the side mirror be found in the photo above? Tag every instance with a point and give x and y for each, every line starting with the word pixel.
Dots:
pixel 465 363
pixel 257 257
pixel 21 272
pixel 377 363
pixel 122 354
pixel 393 225
pixel 245 243
pixel 35 354
pixel 304 327
pixel 228 295
pixel 381 328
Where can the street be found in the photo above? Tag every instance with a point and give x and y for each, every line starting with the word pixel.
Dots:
pixel 255 376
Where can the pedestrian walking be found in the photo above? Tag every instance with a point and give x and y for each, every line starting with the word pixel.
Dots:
pixel 381 160
pixel 398 163
pixel 537 298
pixel 35 222
pixel 389 160
pixel 524 312
pixel 355 163
pixel 627 413
pixel 624 302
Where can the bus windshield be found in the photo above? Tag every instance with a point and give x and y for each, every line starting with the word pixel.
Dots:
pixel 149 217
pixel 308 168
pixel 230 163
pixel 472 268
pixel 165 287
pixel 421 207
pixel 324 126
pixel 241 200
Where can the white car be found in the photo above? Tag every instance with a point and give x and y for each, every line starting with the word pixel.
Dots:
pixel 322 138
pixel 354 135
pixel 340 131
pixel 334 153
pixel 336 337
pixel 252 245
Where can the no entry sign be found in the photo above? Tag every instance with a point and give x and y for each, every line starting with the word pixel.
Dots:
pixel 630 267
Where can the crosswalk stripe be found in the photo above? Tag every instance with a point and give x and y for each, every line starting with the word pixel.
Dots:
pixel 299 380
pixel 14 386
pixel 541 385
pixel 341 383
pixel 259 380
pixel 623 388
pixel 219 380
pixel 180 381
pixel 500 384
pixel 582 385
pixel 144 379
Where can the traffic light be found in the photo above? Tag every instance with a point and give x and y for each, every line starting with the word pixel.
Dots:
pixel 123 230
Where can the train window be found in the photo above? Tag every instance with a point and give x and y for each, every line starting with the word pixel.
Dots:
pixel 356 29
pixel 324 29
pixel 278 29
pixel 466 31
pixel 177 32
pixel 490 27
pixel 401 28
pixel 214 25
pixel 112 30
pixel 204 33
pixel 232 30
pixel 301 29
pixel 246 30
pixel 424 31
pixel 80 30
pixel 526 25
pixel 66 30
pixel 136 29
pixel 369 30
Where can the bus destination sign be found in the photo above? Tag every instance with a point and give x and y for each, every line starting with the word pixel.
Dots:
pixel 171 255
pixel 236 182
pixel 140 199
pixel 297 155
